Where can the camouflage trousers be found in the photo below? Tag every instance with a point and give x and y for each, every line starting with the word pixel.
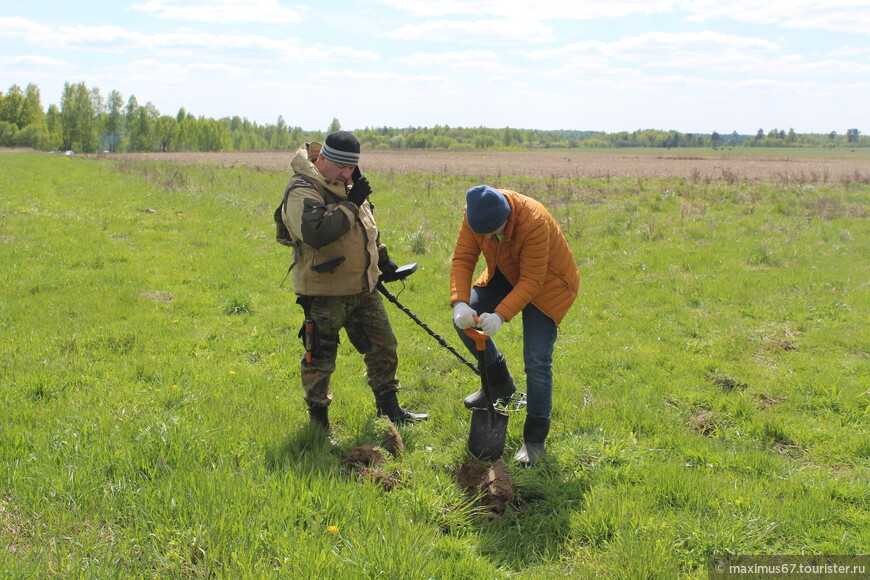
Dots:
pixel 365 321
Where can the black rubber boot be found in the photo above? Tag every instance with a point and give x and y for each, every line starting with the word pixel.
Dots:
pixel 320 416
pixel 501 386
pixel 389 405
pixel 535 432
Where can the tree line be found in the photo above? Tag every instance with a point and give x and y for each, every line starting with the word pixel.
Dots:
pixel 88 122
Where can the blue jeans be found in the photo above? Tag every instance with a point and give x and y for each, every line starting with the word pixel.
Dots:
pixel 539 338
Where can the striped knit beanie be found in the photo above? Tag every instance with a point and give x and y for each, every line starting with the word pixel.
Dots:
pixel 341 147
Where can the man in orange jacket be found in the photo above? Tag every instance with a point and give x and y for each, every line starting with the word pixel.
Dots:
pixel 529 269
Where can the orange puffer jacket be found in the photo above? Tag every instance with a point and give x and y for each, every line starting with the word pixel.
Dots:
pixel 533 255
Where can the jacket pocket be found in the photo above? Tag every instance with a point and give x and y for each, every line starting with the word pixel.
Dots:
pixel 565 282
pixel 328 267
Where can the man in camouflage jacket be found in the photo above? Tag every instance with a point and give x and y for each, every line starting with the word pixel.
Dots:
pixel 338 258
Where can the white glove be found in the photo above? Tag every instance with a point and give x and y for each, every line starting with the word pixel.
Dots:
pixel 489 323
pixel 463 315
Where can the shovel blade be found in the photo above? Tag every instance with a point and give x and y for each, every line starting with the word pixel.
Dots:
pixel 488 433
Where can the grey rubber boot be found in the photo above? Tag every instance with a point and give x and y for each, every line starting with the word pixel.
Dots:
pixel 501 386
pixel 535 432
pixel 389 405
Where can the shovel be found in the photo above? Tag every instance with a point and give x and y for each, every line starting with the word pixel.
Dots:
pixel 488 426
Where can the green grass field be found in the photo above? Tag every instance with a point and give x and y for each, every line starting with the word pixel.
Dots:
pixel 711 391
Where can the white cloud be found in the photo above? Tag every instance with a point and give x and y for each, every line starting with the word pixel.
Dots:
pixel 237 47
pixel 838 15
pixel 111 38
pixel 470 60
pixel 220 11
pixel 703 41
pixel 706 52
pixel 158 69
pixel 851 52
pixel 21 27
pixel 225 71
pixel 448 58
pixel 653 45
pixel 476 32
pixel 345 53
pixel 150 68
pixel 744 89
pixel 522 10
pixel 354 75
pixel 35 60
pixel 797 66
pixel 107 37
pixel 377 76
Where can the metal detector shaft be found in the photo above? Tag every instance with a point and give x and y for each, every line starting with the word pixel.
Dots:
pixel 389 296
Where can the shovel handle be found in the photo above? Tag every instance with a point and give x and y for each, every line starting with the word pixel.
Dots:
pixel 478 337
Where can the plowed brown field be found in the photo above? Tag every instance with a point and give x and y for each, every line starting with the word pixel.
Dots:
pixel 730 166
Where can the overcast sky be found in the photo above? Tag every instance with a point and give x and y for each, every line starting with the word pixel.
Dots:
pixel 607 65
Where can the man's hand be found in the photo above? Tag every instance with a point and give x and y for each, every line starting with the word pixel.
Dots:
pixel 489 323
pixel 360 191
pixel 388 269
pixel 463 315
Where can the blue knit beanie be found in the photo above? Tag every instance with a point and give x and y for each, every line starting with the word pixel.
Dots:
pixel 486 209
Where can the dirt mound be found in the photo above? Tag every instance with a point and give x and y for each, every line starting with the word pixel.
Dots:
pixel 765 401
pixel 492 482
pixel 366 455
pixel 368 461
pixel 386 480
pixel 391 439
pixel 727 384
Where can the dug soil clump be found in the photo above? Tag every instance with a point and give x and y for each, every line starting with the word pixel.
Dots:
pixel 391 439
pixel 366 455
pixel 492 483
pixel 368 461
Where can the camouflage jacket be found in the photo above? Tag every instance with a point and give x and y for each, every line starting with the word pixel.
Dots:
pixel 336 246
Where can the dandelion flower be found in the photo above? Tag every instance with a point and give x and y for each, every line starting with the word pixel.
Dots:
pixel 333 529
